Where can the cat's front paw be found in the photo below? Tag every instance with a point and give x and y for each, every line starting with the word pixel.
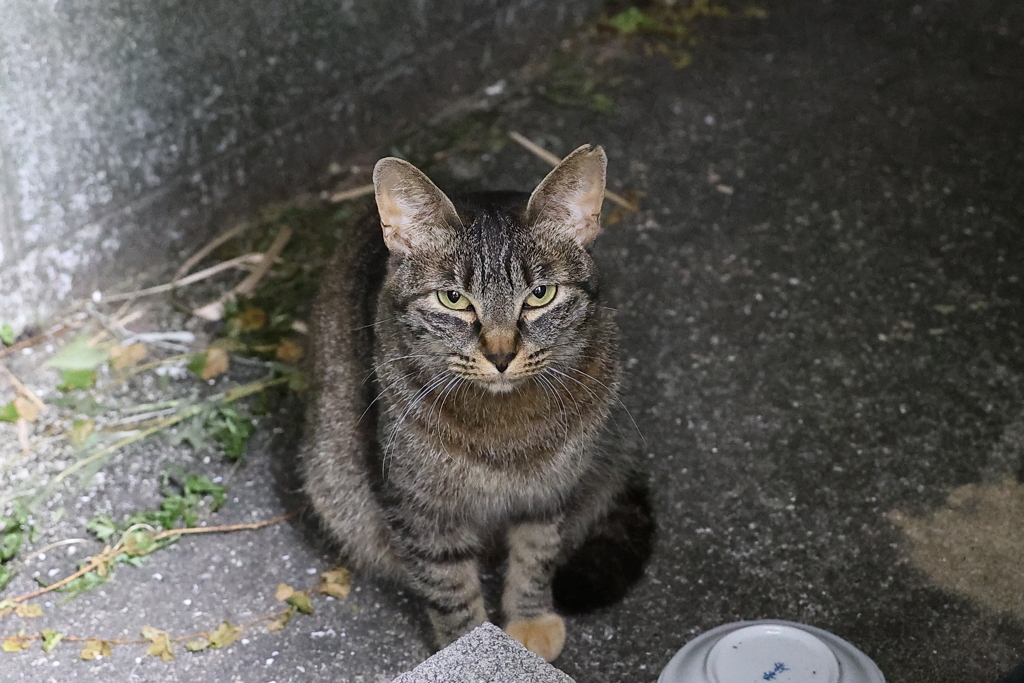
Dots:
pixel 544 635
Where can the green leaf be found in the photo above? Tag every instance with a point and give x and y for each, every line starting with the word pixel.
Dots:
pixel 631 21
pixel 21 513
pixel 301 602
pixel 198 364
pixel 601 103
pixel 7 334
pixel 131 561
pixel 83 583
pixel 6 574
pixel 200 485
pixel 81 430
pixel 10 543
pixel 297 381
pixel 196 645
pixel 9 413
pixel 194 433
pixel 77 379
pixel 230 429
pixel 12 534
pixel 184 507
pixel 50 639
pixel 103 527
pixel 136 544
pixel 79 403
pixel 78 355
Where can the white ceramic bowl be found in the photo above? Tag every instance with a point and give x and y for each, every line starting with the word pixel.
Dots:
pixel 770 651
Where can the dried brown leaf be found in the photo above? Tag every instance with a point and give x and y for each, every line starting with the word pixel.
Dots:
pixel 284 591
pixel 122 357
pixel 252 319
pixel 217 361
pixel 196 645
pixel 28 611
pixel 288 351
pixel 160 643
pixel 281 620
pixel 225 635
pixel 16 643
pixel 336 582
pixel 26 408
pixel 95 648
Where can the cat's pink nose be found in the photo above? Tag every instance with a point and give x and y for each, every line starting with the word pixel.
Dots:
pixel 500 360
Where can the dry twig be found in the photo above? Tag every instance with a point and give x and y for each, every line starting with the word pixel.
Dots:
pixel 205 251
pixel 352 193
pixel 225 528
pixel 53 333
pixel 547 156
pixel 98 560
pixel 24 390
pixel 215 309
pixel 116 327
pixel 191 279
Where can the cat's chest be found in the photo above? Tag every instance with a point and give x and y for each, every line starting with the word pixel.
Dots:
pixel 494 454
pixel 502 468
pixel 499 486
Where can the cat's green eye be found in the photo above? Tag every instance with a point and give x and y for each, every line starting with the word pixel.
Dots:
pixel 541 295
pixel 453 300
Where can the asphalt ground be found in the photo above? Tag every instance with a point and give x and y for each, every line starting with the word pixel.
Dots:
pixel 823 325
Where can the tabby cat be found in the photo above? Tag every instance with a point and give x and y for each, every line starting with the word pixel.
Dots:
pixel 463 371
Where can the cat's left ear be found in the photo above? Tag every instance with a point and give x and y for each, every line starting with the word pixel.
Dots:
pixel 568 201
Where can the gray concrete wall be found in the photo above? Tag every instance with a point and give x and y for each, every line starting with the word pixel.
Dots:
pixel 129 129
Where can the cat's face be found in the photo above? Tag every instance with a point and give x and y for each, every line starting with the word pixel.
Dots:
pixel 501 306
pixel 498 292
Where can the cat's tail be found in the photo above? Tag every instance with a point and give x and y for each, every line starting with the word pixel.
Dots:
pixel 612 558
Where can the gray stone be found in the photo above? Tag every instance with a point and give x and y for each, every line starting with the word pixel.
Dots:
pixel 484 655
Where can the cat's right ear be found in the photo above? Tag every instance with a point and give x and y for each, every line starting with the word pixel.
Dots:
pixel 414 214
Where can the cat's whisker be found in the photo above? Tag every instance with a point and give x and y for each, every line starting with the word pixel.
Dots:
pixel 590 391
pixel 417 398
pixel 376 369
pixel 374 324
pixel 383 391
pixel 572 397
pixel 593 394
pixel 614 395
pixel 568 392
pixel 451 380
pixel 549 387
pixel 448 391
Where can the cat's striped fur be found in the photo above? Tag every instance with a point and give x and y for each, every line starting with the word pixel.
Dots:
pixel 434 428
